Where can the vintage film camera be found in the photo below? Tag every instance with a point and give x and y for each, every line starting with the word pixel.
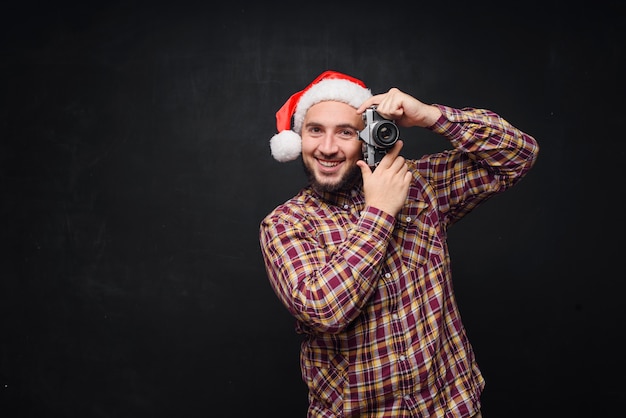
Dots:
pixel 379 135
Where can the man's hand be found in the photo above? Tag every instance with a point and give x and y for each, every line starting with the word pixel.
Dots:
pixel 404 109
pixel 386 187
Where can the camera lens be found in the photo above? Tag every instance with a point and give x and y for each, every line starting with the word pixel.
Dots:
pixel 386 134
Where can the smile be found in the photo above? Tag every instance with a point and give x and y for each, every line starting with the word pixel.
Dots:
pixel 329 164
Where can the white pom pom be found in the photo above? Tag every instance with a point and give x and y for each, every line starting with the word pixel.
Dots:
pixel 286 146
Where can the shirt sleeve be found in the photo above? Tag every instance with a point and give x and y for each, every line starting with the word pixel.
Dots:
pixel 489 156
pixel 324 290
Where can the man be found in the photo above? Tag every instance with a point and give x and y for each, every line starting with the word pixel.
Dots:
pixel 359 256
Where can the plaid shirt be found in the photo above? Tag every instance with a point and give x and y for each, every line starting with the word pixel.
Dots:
pixel 373 293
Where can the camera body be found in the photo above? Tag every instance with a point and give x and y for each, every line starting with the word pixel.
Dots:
pixel 378 136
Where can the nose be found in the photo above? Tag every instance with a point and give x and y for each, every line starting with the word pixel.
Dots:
pixel 328 144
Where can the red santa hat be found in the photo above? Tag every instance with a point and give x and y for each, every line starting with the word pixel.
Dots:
pixel 286 145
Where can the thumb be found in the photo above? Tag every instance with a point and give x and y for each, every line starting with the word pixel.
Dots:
pixel 366 171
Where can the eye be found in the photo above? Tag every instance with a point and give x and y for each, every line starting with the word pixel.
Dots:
pixel 347 133
pixel 314 130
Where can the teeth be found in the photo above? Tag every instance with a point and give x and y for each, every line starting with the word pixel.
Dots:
pixel 329 163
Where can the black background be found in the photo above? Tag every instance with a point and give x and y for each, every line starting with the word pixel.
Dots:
pixel 135 169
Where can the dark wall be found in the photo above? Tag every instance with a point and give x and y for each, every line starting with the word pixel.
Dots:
pixel 135 169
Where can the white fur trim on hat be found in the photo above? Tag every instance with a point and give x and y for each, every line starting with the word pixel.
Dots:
pixel 336 90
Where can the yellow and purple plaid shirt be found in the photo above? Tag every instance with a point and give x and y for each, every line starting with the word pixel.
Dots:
pixel 373 293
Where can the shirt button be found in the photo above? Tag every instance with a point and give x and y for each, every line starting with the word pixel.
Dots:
pixel 346 206
pixel 402 357
pixel 394 316
pixel 387 275
pixel 408 219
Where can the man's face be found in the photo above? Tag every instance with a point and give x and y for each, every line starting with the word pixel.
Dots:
pixel 331 145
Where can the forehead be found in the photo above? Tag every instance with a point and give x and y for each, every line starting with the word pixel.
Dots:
pixel 331 111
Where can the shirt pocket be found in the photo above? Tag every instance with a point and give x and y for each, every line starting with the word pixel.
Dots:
pixel 331 232
pixel 417 237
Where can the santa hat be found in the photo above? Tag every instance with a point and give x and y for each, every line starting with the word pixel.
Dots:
pixel 286 145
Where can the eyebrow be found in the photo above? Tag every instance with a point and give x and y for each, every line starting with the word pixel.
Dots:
pixel 341 125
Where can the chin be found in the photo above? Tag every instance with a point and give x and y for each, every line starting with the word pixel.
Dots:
pixel 330 186
pixel 343 180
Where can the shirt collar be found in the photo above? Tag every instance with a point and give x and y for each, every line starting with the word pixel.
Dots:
pixel 340 198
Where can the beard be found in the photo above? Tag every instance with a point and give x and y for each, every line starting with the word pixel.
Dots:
pixel 349 179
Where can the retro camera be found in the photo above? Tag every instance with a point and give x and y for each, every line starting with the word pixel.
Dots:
pixel 379 135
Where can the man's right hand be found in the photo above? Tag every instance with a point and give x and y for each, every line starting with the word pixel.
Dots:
pixel 386 187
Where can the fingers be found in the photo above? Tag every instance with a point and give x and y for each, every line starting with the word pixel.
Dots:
pixel 387 186
pixel 366 171
pixel 387 104
pixel 372 101
pixel 393 153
